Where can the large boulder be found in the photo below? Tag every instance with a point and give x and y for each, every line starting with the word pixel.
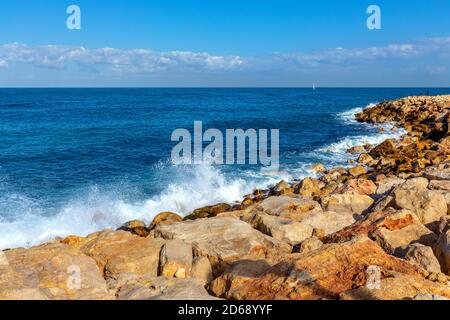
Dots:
pixel 321 273
pixel 394 239
pixel 428 205
pixel 438 172
pixel 119 252
pixel 291 207
pixel 52 271
pixel 176 259
pixel 224 240
pixel 358 186
pixel 329 221
pixel 354 203
pixel 423 256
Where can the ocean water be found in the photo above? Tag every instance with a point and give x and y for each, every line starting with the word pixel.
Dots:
pixel 74 161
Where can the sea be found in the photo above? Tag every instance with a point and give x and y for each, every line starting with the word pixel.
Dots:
pixel 76 161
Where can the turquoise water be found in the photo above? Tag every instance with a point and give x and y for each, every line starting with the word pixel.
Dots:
pixel 73 161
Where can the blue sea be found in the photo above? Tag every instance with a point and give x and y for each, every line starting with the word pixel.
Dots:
pixel 74 161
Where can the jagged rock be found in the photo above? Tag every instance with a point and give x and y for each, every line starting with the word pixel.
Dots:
pixel 175 259
pixel 228 284
pixel 282 229
pixel 394 238
pixel 348 203
pixel 388 184
pixel 439 172
pixel 208 211
pixel 357 186
pixel 310 244
pixel 357 171
pixel 428 205
pixel 291 207
pixel 53 271
pixel 444 225
pixel 384 149
pixel 365 158
pixel 329 221
pixel 309 187
pixel 224 240
pixel 397 286
pixel 202 270
pixel 443 185
pixel 133 287
pixel 423 256
pixel 119 252
pixel 322 273
pixel 165 218
pixel 442 250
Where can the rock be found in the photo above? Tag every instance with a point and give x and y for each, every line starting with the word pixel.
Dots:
pixel 310 244
pixel 438 172
pixel 357 171
pixel 224 240
pixel 119 252
pixel 128 226
pixel 175 259
pixel 53 271
pixel 290 207
pixel 388 184
pixel 309 187
pixel 329 221
pixel 201 269
pixel 356 149
pixel 358 186
pixel 282 185
pixel 443 185
pixel 386 148
pixel 209 211
pixel 365 158
pixel 282 229
pixel 429 297
pixel 423 256
pixel 398 286
pixel 318 168
pixel 395 237
pixel 348 203
pixel 228 284
pixel 444 225
pixel 428 205
pixel 442 250
pixel 133 287
pixel 165 218
pixel 319 274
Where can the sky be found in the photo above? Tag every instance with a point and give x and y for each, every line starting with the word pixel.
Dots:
pixel 224 43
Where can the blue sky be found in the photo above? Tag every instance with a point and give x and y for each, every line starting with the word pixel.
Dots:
pixel 224 43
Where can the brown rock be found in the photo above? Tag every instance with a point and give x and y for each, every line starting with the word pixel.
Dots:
pixel 318 168
pixel 175 259
pixel 119 252
pixel 165 218
pixel 423 256
pixel 358 186
pixel 202 270
pixel 354 203
pixel 224 240
pixel 365 158
pixel 322 273
pixel 442 250
pixel 357 171
pixel 309 187
pixel 310 244
pixel 291 207
pixel 397 286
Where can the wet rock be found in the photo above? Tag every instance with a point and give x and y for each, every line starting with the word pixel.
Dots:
pixel 165 218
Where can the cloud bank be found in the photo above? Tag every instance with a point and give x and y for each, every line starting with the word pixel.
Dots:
pixel 428 56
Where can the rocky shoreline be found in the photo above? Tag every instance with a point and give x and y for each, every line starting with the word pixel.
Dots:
pixel 379 230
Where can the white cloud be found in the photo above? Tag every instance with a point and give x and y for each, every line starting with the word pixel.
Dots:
pixel 3 64
pixel 116 60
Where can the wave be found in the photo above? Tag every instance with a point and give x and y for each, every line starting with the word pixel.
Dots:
pixel 97 209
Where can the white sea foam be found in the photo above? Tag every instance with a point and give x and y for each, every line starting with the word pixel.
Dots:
pixel 96 209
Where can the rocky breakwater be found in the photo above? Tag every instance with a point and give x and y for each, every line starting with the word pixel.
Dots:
pixel 378 230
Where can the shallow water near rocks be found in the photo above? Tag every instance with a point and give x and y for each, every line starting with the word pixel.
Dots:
pixel 74 161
